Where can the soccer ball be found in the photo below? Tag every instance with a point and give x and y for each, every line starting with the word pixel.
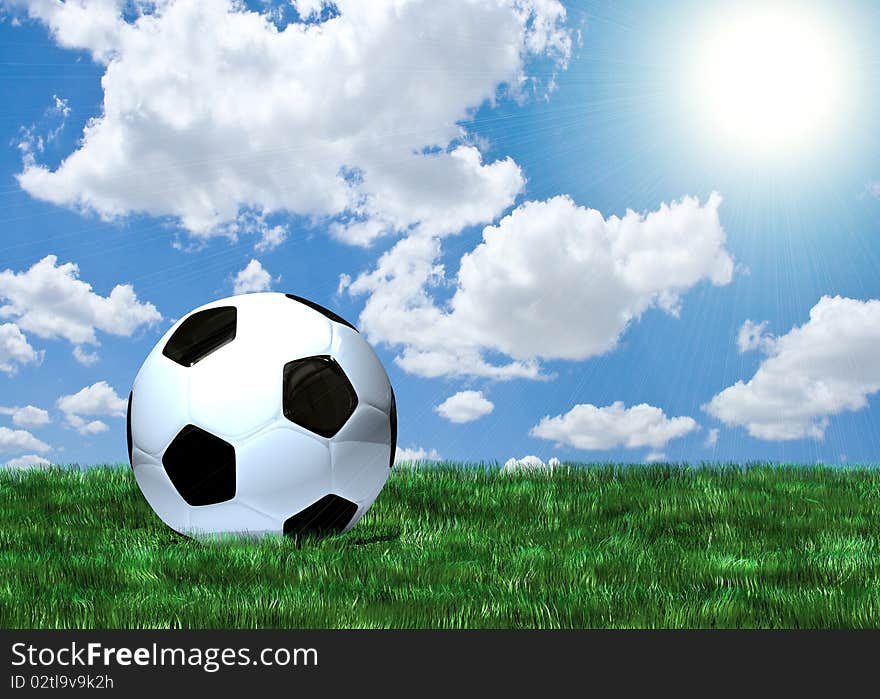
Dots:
pixel 259 414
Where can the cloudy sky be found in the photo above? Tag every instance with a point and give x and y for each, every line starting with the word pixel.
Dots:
pixel 592 231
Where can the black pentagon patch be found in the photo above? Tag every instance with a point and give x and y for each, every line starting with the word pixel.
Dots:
pixel 317 395
pixel 392 414
pixel 128 438
pixel 200 334
pixel 329 515
pixel 201 466
pixel 323 311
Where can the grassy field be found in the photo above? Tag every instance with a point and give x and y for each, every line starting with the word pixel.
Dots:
pixel 582 547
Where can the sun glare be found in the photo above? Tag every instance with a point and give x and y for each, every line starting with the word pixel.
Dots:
pixel 769 80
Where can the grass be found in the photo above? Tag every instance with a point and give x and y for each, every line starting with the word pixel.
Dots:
pixel 603 546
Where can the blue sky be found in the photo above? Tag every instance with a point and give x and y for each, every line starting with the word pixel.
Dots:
pixel 407 139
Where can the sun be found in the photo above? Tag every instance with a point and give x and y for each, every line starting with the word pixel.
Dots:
pixel 769 80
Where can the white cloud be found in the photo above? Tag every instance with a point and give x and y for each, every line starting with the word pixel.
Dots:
pixel 251 222
pixel 752 336
pixel 271 238
pixel 15 349
pixel 652 457
pixel 465 406
pixel 711 438
pixel 60 106
pixel 828 365
pixel 49 300
pixel 99 399
pixel 308 8
pixel 211 113
pixel 529 463
pixel 344 283
pixel 873 188
pixel 85 357
pixel 252 278
pixel 415 455
pixel 28 461
pixel 87 426
pixel 28 416
pixel 93 26
pixel 587 427
pixel 35 137
pixel 552 280
pixel 20 440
